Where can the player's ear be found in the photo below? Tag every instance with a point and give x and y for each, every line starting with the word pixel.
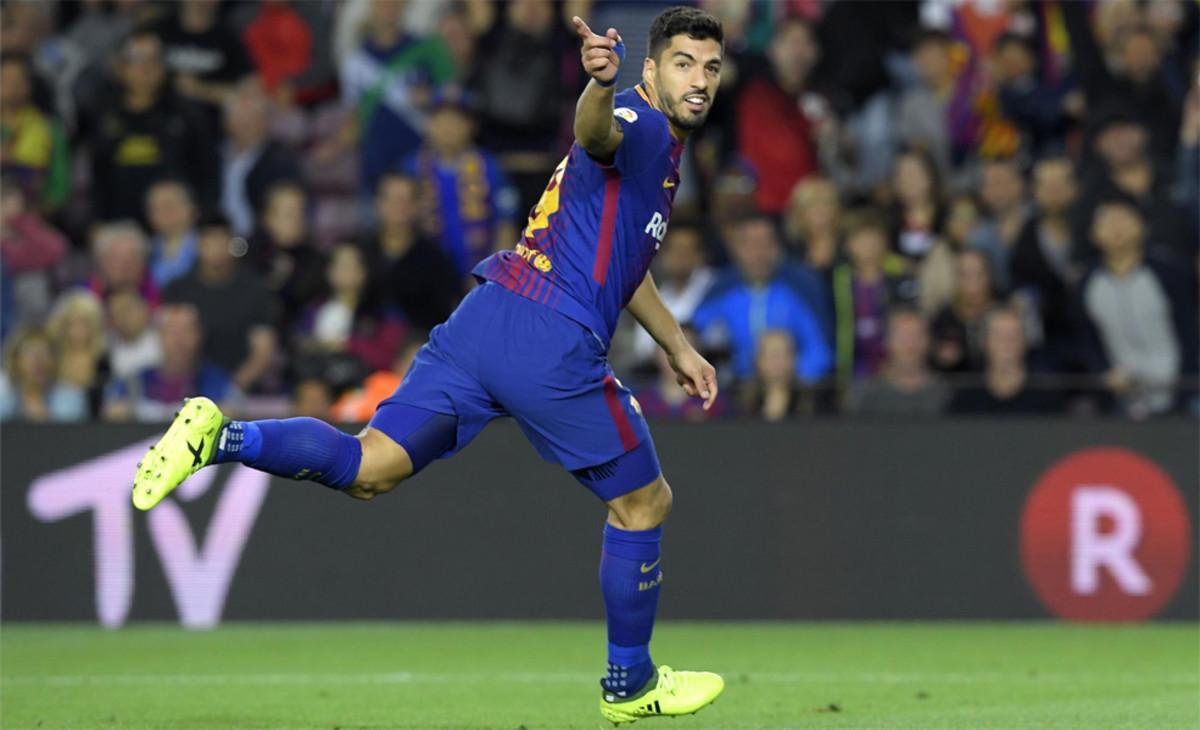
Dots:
pixel 648 68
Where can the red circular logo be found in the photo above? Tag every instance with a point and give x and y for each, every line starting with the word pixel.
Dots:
pixel 1105 536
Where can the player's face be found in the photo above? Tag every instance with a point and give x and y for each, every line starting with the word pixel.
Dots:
pixel 685 77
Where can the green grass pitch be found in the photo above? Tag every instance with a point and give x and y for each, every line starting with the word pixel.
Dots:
pixel 514 676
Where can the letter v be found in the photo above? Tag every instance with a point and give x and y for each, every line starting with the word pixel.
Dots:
pixel 200 578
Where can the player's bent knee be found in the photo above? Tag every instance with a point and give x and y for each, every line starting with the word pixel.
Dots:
pixel 643 509
pixel 384 465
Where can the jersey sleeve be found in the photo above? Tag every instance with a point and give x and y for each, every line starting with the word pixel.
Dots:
pixel 646 136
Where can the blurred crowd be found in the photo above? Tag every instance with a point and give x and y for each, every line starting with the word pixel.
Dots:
pixel 900 208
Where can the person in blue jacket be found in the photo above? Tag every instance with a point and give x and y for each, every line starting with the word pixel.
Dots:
pixel 765 292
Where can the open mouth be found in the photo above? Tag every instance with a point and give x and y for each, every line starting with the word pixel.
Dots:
pixel 695 103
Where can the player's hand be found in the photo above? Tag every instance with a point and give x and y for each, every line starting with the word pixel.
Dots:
pixel 695 375
pixel 598 53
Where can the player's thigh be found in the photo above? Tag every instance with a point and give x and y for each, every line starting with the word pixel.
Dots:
pixel 596 431
pixel 437 410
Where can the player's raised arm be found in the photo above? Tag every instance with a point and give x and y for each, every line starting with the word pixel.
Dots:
pixel 595 129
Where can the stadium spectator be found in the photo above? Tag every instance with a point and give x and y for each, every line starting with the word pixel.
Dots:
pixel 905 386
pixel 1125 167
pixel 1140 313
pixel 145 132
pixel 976 123
pixel 32 143
pixel 411 269
pixel 31 250
pixel 251 162
pixel 233 306
pixel 1002 192
pixel 1040 108
pixel 29 389
pixel 810 225
pixel 779 116
pixel 523 85
pixel 358 405
pixel 85 49
pixel 683 277
pixel 286 42
pixel 313 397
pixel 664 399
pixel 1006 388
pixel 759 295
pixel 155 393
pixel 205 57
pixel 775 393
pixel 468 200
pixel 352 320
pixel 1044 268
pixel 922 109
pixel 387 83
pixel 76 326
pixel 864 288
pixel 133 345
pixel 119 252
pixel 1123 70
pixel 936 273
pixel 958 330
pixel 282 251
pixel 174 243
pixel 917 199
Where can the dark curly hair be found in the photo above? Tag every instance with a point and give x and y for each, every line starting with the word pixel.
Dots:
pixel 674 21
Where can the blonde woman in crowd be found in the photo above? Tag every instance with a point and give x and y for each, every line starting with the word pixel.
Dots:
pixel 76 326
pixel 29 390
pixel 811 222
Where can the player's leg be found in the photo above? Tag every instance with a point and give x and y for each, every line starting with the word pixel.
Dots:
pixel 362 466
pixel 638 500
pixel 631 576
pixel 437 410
pixel 577 414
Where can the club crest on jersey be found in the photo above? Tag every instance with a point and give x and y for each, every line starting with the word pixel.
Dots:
pixel 657 227
pixel 625 113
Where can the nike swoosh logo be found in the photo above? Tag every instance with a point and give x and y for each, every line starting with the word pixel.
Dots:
pixel 668 184
pixel 650 567
pixel 196 454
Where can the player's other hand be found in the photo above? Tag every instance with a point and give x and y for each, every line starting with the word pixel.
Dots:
pixel 600 60
pixel 695 375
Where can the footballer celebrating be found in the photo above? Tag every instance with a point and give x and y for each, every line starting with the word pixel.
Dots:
pixel 531 342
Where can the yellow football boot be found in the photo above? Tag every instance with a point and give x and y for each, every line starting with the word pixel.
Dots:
pixel 670 693
pixel 188 445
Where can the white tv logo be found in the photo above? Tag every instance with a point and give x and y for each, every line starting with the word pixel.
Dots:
pixel 198 574
pixel 1092 550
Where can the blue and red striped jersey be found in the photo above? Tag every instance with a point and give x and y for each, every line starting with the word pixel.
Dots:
pixel 590 238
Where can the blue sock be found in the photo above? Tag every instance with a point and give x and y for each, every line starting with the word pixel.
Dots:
pixel 296 448
pixel 630 576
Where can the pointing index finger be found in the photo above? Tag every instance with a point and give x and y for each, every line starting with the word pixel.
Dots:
pixel 582 27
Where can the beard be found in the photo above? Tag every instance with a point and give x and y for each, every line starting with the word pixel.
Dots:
pixel 677 111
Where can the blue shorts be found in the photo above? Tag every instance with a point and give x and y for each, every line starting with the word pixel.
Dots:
pixel 501 354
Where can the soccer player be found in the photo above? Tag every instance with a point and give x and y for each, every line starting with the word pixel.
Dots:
pixel 531 342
